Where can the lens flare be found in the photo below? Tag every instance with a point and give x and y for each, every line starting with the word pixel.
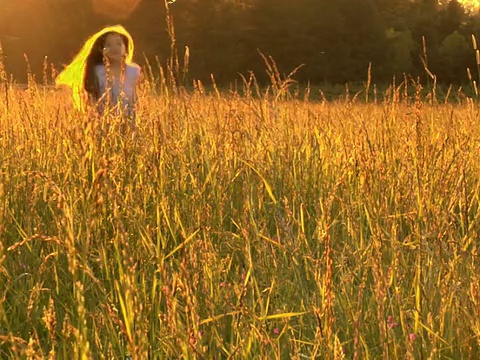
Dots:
pixel 115 9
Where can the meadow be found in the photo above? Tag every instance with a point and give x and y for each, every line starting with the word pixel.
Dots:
pixel 258 225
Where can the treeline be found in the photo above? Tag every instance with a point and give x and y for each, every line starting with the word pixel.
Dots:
pixel 335 41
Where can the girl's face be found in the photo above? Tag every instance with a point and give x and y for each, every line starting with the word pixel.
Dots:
pixel 114 48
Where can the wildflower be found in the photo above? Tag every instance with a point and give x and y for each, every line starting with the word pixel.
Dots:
pixel 391 323
pixel 411 336
pixel 276 331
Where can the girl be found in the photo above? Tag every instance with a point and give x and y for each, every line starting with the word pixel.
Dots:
pixel 103 74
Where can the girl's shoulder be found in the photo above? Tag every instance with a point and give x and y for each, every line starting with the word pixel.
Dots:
pixel 133 65
pixel 134 68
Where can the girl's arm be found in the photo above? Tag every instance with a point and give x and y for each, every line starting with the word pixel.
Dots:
pixel 93 87
pixel 91 100
pixel 138 81
pixel 141 77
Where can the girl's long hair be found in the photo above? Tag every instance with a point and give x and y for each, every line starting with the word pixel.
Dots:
pixel 79 74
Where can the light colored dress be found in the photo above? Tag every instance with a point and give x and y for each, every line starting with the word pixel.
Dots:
pixel 118 98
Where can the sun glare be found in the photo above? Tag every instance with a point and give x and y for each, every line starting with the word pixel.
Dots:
pixel 115 9
pixel 471 4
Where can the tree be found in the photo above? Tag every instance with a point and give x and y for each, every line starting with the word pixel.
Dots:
pixel 402 47
pixel 215 33
pixel 455 54
pixel 365 38
pixel 450 18
pixel 335 40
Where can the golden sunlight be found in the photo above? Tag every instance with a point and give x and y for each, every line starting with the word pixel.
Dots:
pixel 115 9
pixel 471 4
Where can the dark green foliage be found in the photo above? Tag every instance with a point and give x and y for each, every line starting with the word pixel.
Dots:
pixel 335 41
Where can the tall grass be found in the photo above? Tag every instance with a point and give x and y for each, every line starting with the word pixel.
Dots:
pixel 241 227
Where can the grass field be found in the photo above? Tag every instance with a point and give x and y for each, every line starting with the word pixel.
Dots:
pixel 239 227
